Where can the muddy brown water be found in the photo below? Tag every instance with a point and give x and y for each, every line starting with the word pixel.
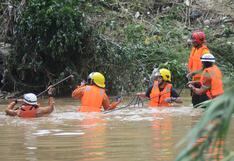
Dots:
pixel 131 134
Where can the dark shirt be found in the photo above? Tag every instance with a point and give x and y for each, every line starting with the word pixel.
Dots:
pixel 173 92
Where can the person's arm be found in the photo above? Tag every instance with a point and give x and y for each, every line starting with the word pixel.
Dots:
pixel 48 109
pixel 199 91
pixel 109 106
pixel 41 111
pixel 174 97
pixel 191 74
pixel 78 92
pixel 205 85
pixel 194 83
pixel 10 109
pixel 197 72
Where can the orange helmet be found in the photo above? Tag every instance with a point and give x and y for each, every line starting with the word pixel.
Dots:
pixel 199 37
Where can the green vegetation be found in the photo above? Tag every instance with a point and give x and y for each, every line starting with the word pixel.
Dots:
pixel 50 40
pixel 124 40
pixel 206 139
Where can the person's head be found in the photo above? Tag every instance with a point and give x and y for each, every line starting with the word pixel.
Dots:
pixel 30 98
pixel 98 79
pixel 198 38
pixel 164 75
pixel 207 60
pixel 89 78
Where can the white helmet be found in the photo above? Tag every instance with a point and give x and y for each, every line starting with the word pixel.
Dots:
pixel 154 74
pixel 90 76
pixel 30 98
pixel 208 58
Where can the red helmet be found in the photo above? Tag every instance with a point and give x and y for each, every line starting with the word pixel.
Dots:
pixel 199 37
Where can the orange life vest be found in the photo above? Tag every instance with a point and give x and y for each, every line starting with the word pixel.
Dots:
pixel 157 98
pixel 92 99
pixel 27 111
pixel 195 63
pixel 216 87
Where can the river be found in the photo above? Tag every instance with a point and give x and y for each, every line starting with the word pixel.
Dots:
pixel 131 134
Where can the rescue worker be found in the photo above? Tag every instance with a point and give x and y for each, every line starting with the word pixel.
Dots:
pixel 93 97
pixel 29 106
pixel 211 78
pixel 199 48
pixel 161 93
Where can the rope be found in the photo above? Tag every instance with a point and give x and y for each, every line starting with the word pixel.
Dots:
pixel 116 109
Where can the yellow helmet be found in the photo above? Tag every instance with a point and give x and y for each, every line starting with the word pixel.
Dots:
pixel 166 74
pixel 99 79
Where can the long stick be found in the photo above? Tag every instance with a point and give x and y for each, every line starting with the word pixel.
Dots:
pixel 70 76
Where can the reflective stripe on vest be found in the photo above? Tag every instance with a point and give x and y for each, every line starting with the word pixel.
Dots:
pixel 157 98
pixel 195 63
pixel 216 87
pixel 92 99
pixel 27 111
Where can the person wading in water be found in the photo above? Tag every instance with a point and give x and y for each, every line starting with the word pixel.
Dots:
pixel 161 93
pixel 93 96
pixel 199 48
pixel 211 79
pixel 29 106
